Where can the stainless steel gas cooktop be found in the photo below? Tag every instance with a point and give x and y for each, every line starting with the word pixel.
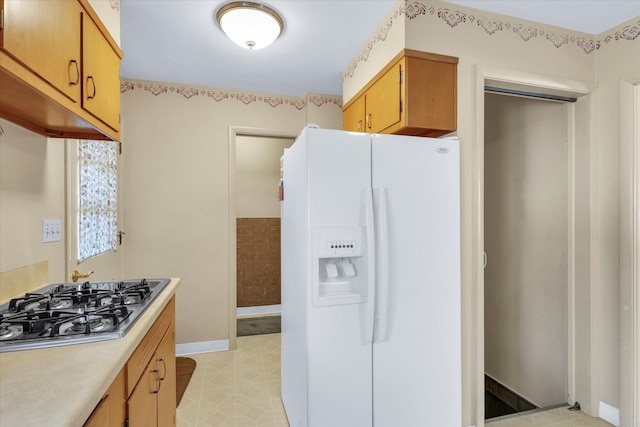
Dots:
pixel 74 313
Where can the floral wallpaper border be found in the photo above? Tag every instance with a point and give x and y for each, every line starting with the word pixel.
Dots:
pixel 456 18
pixel 219 95
pixel 1 131
pixel 320 100
pixel 115 4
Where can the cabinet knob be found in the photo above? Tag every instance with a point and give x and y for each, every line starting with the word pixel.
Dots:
pixel 359 125
pixel 369 120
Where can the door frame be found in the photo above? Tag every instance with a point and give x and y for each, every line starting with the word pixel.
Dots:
pixel 629 178
pixel 635 279
pixel 232 290
pixel 511 79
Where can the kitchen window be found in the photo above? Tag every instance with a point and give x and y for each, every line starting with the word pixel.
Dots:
pixel 98 183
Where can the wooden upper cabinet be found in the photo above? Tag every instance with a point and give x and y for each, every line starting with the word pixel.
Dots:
pixel 101 75
pixel 415 94
pixel 47 50
pixel 45 37
pixel 383 108
pixel 353 118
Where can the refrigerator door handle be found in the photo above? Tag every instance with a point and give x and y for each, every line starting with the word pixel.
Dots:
pixel 371 265
pixel 383 264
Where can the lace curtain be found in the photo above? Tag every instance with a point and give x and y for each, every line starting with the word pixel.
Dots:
pixel 98 229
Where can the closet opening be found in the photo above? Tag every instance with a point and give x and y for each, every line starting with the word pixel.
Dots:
pixel 526 243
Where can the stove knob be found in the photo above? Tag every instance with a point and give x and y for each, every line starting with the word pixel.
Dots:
pixel 121 285
pixel 58 288
pixel 86 285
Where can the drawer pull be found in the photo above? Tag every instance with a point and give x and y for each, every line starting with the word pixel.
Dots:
pixel 77 79
pixel 164 366
pixel 93 84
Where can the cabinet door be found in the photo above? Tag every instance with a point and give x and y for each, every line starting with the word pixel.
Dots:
pixel 101 415
pixel 432 94
pixel 166 365
pixel 101 74
pixel 45 37
pixel 142 409
pixel 118 399
pixel 383 101
pixel 353 117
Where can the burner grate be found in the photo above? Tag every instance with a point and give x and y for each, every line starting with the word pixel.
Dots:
pixel 71 313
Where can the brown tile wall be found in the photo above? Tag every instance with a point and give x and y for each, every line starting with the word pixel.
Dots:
pixel 258 261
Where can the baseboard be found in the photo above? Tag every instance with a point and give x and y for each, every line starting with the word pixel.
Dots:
pixel 258 310
pixel 201 347
pixel 609 414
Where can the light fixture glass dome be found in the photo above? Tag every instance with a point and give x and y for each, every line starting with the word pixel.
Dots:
pixel 250 25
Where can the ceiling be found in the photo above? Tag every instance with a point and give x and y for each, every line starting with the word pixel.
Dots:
pixel 178 40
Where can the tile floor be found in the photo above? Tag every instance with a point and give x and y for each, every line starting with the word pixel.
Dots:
pixel 558 417
pixel 241 388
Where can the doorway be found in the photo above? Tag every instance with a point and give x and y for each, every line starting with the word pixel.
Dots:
pixel 526 228
pixel 257 232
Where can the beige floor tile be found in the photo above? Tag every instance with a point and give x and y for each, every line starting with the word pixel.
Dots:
pixel 236 388
pixel 213 399
pixel 558 417
pixel 186 419
pixel 241 388
pixel 217 417
pixel 189 403
pixel 255 414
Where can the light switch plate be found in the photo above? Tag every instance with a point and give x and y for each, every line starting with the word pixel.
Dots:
pixel 51 230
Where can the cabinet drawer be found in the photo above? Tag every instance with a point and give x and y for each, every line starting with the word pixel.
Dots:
pixel 148 346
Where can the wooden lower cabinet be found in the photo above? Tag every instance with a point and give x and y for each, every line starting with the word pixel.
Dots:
pixel 142 406
pixel 153 401
pixel 144 392
pixel 166 364
pixel 111 411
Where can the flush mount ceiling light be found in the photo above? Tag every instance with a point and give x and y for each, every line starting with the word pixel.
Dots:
pixel 250 25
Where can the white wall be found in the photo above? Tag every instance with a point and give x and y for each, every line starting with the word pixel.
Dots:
pixel 257 175
pixel 525 235
pixel 109 13
pixel 618 63
pixel 31 189
pixel 177 199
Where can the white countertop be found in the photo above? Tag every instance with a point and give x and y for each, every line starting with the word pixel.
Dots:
pixel 60 386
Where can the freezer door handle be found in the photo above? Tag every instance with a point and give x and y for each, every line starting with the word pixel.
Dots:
pixel 371 265
pixel 383 266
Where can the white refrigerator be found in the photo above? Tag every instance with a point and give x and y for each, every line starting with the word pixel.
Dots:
pixel 371 326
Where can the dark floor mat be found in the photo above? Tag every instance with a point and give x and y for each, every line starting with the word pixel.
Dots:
pixel 258 325
pixel 184 369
